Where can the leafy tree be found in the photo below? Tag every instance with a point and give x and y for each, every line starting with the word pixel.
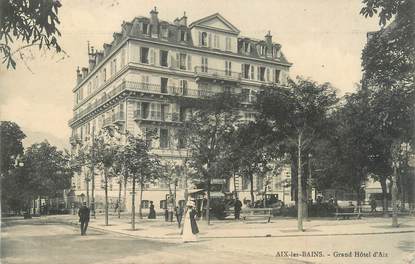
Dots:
pixel 141 167
pixel 106 146
pixel 47 171
pixel 34 22
pixel 300 114
pixel 208 131
pixel 11 146
pixel 255 147
pixel 389 78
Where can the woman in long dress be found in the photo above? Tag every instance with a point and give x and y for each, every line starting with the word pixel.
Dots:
pixel 190 229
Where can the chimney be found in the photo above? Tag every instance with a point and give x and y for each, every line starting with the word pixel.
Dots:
pixel 84 72
pixel 268 38
pixel 78 76
pixel 183 20
pixel 91 60
pixel 154 22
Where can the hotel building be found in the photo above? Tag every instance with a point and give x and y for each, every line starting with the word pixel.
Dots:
pixel 135 83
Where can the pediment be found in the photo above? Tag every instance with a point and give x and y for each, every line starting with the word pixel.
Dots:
pixel 215 22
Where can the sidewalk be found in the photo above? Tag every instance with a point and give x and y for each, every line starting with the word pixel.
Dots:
pixel 279 227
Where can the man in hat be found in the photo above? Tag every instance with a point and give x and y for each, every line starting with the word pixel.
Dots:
pixel 83 214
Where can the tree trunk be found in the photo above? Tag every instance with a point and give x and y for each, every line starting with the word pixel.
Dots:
pixel 251 178
pixel 119 199
pixel 140 211
pixel 234 184
pixel 208 201
pixel 124 199
pixel 87 191
pixel 300 187
pixel 106 194
pixel 382 181
pixel 133 205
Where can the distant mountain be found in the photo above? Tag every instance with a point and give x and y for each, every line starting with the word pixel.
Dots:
pixel 36 137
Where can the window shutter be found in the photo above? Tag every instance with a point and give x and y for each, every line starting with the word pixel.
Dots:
pixel 243 70
pixel 178 60
pixel 210 40
pixel 258 74
pixel 169 59
pixel 152 56
pixel 189 62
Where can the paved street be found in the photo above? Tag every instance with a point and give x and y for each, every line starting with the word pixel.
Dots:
pixel 43 241
pixel 34 242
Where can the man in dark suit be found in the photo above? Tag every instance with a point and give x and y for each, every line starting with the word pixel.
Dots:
pixel 237 207
pixel 83 214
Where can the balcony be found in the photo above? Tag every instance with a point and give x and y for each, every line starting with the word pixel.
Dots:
pixel 116 118
pixel 157 117
pixel 141 87
pixel 214 74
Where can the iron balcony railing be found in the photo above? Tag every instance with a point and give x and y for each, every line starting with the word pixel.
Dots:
pixel 114 118
pixel 156 116
pixel 217 74
pixel 145 88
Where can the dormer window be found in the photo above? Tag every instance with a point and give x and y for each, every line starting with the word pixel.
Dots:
pixel 145 28
pixel 183 35
pixel 203 40
pixel 247 48
pixel 262 50
pixel 164 32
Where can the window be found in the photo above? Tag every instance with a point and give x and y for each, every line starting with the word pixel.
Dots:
pixel 247 48
pixel 164 32
pixel 163 85
pixel 145 28
pixel 228 68
pixel 122 57
pixel 216 43
pixel 81 93
pixel 164 138
pixel 89 91
pixel 252 72
pixel 155 111
pixel 262 50
pixel 203 39
pixel 164 58
pixel 183 60
pixel 149 135
pixel 163 204
pixel 183 35
pixel 261 74
pixel 204 64
pixel 145 84
pixel 182 141
pixel 228 43
pixel 113 66
pixel 245 95
pixel 145 204
pixel 228 89
pixel 268 78
pixel 165 111
pixel 183 87
pixel 144 55
pixel 104 75
pixel 245 70
pixel 277 76
pixel 143 110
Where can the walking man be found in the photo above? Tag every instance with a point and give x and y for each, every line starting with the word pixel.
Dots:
pixel 237 206
pixel 83 214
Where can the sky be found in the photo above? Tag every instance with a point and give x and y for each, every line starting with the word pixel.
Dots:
pixel 322 38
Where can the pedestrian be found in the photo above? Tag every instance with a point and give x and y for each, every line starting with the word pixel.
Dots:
pixel 190 229
pixel 373 205
pixel 237 207
pixel 83 214
pixel 179 215
pixel 152 214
